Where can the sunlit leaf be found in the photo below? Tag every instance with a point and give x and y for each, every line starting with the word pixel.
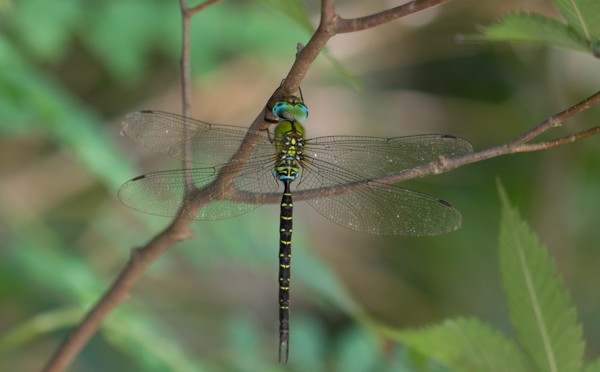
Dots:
pixel 544 320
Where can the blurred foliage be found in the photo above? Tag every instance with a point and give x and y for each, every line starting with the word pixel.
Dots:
pixel 582 31
pixel 69 70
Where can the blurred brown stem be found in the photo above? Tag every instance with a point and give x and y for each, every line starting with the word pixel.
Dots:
pixel 330 25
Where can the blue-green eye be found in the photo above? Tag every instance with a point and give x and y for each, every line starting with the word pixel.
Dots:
pixel 294 111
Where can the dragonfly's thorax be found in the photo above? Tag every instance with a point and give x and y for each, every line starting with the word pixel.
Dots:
pixel 289 140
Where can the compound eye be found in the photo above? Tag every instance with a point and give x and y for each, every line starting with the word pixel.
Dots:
pixel 291 109
pixel 300 112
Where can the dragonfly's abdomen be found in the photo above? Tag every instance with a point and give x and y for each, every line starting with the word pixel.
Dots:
pixel 285 257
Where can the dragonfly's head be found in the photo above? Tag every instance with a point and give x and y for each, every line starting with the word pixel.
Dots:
pixel 291 108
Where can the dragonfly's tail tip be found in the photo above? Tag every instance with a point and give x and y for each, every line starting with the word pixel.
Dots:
pixel 283 351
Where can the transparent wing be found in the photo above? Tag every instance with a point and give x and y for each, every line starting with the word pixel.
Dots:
pixel 373 157
pixel 211 144
pixel 374 207
pixel 162 193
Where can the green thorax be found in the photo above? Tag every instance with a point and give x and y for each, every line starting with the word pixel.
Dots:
pixel 289 140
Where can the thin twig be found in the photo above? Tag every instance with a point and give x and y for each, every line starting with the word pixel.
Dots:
pixel 557 119
pixel 186 89
pixel 529 147
pixel 358 24
pixel 200 7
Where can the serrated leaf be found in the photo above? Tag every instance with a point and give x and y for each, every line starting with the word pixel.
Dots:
pixel 539 306
pixel 583 16
pixel 464 345
pixel 533 28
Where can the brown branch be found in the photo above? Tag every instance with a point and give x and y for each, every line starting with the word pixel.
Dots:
pixel 358 24
pixel 442 165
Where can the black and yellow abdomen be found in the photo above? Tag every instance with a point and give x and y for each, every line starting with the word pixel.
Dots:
pixel 289 140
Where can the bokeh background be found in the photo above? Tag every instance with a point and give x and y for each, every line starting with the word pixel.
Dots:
pixel 70 70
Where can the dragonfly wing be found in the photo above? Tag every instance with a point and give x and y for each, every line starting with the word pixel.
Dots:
pixel 210 144
pixel 374 157
pixel 373 207
pixel 162 193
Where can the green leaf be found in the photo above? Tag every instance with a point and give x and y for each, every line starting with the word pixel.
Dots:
pixel 583 16
pixel 533 28
pixel 464 345
pixel 539 306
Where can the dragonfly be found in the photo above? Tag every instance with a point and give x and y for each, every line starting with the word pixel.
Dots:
pixel 337 175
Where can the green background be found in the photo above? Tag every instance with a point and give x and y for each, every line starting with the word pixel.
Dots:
pixel 70 70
